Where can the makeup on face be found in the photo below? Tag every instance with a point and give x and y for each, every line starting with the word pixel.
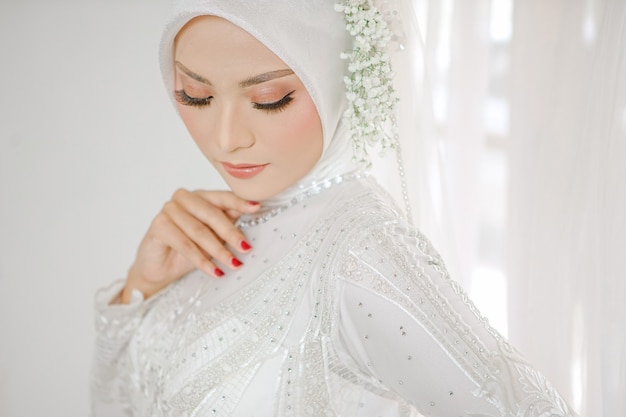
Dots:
pixel 247 111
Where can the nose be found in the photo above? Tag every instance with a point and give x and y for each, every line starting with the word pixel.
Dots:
pixel 231 129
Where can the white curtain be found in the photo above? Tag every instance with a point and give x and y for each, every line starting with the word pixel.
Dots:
pixel 567 212
pixel 529 99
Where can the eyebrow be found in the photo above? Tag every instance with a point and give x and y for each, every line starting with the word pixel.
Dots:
pixel 266 76
pixel 192 74
pixel 256 79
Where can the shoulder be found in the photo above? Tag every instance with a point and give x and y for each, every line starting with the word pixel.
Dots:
pixel 377 251
pixel 381 254
pixel 362 204
pixel 374 233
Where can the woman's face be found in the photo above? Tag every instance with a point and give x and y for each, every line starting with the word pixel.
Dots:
pixel 249 114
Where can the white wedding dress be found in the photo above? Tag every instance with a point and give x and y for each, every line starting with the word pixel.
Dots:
pixel 341 309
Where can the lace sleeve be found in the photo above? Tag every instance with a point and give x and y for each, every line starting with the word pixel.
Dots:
pixel 115 325
pixel 407 324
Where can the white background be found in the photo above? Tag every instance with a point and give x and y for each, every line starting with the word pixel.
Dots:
pixel 90 148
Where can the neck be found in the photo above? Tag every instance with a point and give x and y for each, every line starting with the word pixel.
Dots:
pixel 333 168
pixel 274 207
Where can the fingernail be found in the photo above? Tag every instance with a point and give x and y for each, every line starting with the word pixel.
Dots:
pixel 219 272
pixel 236 262
pixel 245 245
pixel 253 203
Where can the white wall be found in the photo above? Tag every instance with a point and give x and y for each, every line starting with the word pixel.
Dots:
pixel 90 147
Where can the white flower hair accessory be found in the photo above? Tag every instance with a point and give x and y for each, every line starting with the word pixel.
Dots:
pixel 369 87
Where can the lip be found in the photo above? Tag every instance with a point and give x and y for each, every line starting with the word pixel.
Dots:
pixel 243 171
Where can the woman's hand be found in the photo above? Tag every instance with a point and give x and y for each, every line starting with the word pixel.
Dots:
pixel 189 232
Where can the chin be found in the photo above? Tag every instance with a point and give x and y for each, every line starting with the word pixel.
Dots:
pixel 254 193
pixel 252 189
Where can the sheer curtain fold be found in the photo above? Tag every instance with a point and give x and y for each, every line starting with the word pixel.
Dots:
pixel 557 79
pixel 567 199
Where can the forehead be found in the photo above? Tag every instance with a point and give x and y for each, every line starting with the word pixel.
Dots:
pixel 211 41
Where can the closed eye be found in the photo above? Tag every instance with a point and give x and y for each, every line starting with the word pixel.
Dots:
pixel 183 98
pixel 275 106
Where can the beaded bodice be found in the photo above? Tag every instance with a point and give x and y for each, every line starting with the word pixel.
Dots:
pixel 341 310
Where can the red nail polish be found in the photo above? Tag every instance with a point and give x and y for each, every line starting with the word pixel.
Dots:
pixel 236 262
pixel 219 272
pixel 245 245
pixel 253 203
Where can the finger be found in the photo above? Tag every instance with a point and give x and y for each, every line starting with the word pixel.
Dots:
pixel 227 200
pixel 233 215
pixel 221 223
pixel 202 235
pixel 175 238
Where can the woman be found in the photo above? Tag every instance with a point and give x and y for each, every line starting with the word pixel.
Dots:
pixel 330 303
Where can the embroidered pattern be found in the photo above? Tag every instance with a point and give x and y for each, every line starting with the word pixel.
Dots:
pixel 195 355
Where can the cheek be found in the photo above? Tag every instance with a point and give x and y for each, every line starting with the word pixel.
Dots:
pixel 301 131
pixel 194 121
pixel 188 117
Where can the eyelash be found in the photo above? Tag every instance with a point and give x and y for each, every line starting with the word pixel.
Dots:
pixel 277 106
pixel 183 98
